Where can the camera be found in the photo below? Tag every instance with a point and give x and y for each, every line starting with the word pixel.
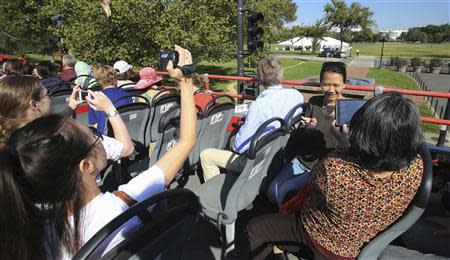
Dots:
pixel 165 57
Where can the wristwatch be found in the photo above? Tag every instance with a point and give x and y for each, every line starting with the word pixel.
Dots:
pixel 112 113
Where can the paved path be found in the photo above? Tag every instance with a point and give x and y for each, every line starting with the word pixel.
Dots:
pixel 362 62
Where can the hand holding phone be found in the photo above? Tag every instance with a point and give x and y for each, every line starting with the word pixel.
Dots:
pixel 341 133
pixel 73 99
pixel 99 101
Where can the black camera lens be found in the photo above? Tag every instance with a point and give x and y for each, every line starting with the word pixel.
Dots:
pixel 165 57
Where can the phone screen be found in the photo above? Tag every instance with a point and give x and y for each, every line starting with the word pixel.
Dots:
pixel 346 108
pixel 82 94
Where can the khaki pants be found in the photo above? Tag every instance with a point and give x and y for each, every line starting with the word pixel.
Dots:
pixel 211 159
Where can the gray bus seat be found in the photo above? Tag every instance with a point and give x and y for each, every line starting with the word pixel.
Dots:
pixel 168 133
pixel 136 117
pixel 415 209
pixel 217 116
pixel 161 236
pixel 223 196
pixel 60 100
pixel 161 103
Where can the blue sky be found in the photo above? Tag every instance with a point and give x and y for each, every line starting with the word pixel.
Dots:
pixel 388 14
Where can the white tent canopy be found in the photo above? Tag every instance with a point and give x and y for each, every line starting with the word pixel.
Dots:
pixel 304 42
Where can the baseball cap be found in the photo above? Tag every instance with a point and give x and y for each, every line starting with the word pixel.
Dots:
pixel 122 66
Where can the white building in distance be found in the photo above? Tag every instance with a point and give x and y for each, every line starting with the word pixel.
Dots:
pixel 393 33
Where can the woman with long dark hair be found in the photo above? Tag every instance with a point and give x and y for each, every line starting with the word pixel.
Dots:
pixel 51 204
pixel 356 192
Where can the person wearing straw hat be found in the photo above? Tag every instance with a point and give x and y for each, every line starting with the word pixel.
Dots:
pixel 148 79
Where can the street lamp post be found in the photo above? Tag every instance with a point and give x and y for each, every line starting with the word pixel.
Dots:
pixel 383 40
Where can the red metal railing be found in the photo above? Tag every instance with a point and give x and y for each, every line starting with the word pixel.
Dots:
pixel 348 87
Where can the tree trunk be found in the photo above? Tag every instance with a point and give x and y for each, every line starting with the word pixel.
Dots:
pixel 340 38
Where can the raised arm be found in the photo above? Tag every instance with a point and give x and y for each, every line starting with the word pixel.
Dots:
pixel 101 102
pixel 173 160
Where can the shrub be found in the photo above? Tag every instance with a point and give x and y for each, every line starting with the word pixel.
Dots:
pixel 416 62
pixel 435 63
pixel 393 61
pixel 399 62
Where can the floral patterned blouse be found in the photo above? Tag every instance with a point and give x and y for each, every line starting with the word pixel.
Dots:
pixel 348 205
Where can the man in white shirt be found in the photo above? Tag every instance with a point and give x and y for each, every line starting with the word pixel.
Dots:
pixel 274 101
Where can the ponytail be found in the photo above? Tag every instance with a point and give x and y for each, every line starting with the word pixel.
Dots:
pixel 22 233
pixel 7 126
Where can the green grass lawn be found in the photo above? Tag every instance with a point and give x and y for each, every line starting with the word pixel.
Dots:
pixel 393 79
pixel 428 127
pixel 401 49
pixel 299 70
pixel 404 49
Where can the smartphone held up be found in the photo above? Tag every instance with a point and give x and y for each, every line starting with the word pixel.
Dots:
pixel 82 94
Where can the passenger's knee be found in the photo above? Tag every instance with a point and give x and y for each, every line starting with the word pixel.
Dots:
pixel 205 154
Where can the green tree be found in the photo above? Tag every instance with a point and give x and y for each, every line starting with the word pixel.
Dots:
pixel 137 30
pixel 416 35
pixel 339 15
pixel 316 31
pixel 365 35
pixel 24 27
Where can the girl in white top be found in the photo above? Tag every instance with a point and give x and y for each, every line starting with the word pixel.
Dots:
pixel 50 202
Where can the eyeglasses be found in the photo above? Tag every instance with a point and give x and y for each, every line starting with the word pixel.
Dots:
pixel 97 136
pixel 48 94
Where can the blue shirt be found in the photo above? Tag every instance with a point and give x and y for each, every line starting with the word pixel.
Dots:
pixel 275 101
pixel 98 117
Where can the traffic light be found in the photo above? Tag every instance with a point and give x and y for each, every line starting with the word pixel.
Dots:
pixel 254 32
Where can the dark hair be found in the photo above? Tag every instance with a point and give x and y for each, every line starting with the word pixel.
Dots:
pixel 16 93
pixel 335 67
pixel 28 68
pixel 57 66
pixel 386 133
pixel 13 67
pixel 45 69
pixel 40 187
pixel 124 76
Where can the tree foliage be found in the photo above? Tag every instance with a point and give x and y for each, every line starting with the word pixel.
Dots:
pixel 24 27
pixel 316 31
pixel 137 30
pixel 429 33
pixel 338 14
